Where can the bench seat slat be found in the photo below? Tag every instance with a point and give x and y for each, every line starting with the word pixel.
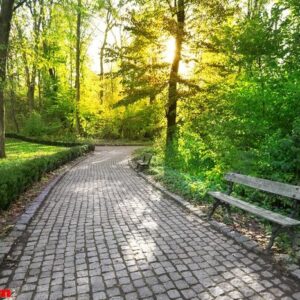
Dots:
pixel 278 188
pixel 145 162
pixel 258 211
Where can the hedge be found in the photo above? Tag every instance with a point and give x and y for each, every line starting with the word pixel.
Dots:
pixel 16 179
pixel 45 142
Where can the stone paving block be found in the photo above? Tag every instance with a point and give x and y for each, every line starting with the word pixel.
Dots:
pixel 104 233
pixel 173 294
pixel 26 296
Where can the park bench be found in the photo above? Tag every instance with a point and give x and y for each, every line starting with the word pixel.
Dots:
pixel 279 222
pixel 144 162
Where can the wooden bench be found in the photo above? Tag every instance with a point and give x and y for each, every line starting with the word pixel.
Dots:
pixel 144 162
pixel 279 222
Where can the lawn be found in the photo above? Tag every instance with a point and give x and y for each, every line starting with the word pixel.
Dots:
pixel 27 162
pixel 18 151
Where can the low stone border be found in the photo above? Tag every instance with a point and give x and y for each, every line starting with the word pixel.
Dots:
pixel 246 242
pixel 120 145
pixel 23 221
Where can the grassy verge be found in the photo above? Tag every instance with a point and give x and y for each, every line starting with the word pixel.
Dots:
pixel 19 151
pixel 192 188
pixel 195 188
pixel 70 141
pixel 27 162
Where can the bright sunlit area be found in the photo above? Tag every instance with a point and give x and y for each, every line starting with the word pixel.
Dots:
pixel 169 46
pixel 111 110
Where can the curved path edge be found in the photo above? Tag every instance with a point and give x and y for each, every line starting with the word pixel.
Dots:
pixel 292 269
pixel 24 219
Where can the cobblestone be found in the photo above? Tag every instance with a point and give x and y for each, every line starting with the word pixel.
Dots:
pixel 104 233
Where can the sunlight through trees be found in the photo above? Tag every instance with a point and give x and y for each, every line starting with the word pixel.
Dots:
pixel 217 80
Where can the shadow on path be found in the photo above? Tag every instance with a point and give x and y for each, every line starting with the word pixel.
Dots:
pixel 104 233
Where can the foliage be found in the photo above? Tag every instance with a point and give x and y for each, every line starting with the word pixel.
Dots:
pixel 237 88
pixel 27 163
pixel 34 125
pixel 65 143
pixel 193 184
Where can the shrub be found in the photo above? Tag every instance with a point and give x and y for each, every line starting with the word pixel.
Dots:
pixel 15 179
pixel 34 125
pixel 91 147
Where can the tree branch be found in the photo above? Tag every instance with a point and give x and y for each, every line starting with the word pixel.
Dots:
pixel 18 4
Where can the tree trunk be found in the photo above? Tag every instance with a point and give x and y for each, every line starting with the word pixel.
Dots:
pixel 112 88
pixel 77 80
pixel 108 27
pixel 30 74
pixel 102 77
pixel 6 13
pixel 173 96
pixel 13 107
pixel 30 91
pixel 13 99
pixel 38 20
pixel 40 90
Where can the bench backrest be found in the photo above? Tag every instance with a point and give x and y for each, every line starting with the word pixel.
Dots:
pixel 274 187
pixel 147 158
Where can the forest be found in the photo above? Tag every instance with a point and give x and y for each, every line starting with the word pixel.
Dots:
pixel 213 84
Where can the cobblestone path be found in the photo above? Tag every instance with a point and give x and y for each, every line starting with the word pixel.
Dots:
pixel 104 233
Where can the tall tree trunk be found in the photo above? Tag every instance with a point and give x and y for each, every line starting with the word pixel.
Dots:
pixel 77 79
pixel 102 77
pixel 38 20
pixel 40 89
pixel 153 62
pixel 108 27
pixel 30 74
pixel 173 95
pixel 6 13
pixel 12 97
pixel 71 68
pixel 31 90
pixel 13 107
pixel 112 88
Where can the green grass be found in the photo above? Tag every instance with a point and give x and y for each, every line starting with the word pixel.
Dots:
pixel 18 151
pixel 27 162
pixel 193 188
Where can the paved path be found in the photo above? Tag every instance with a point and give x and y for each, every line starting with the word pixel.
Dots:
pixel 104 233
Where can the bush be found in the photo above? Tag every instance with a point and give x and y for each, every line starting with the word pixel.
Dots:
pixel 34 125
pixel 16 179
pixel 91 147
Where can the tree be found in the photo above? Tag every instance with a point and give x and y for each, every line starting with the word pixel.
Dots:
pixel 142 69
pixel 179 8
pixel 5 23
pixel 30 41
pixel 37 16
pixel 78 53
pixel 109 24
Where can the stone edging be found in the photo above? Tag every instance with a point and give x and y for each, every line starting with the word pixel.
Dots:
pixel 292 269
pixel 24 219
pixel 120 145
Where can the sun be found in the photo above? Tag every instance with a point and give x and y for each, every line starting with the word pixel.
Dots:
pixel 169 48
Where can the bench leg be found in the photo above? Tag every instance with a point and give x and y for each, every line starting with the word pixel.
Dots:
pixel 293 236
pixel 228 212
pixel 142 168
pixel 275 231
pixel 214 207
